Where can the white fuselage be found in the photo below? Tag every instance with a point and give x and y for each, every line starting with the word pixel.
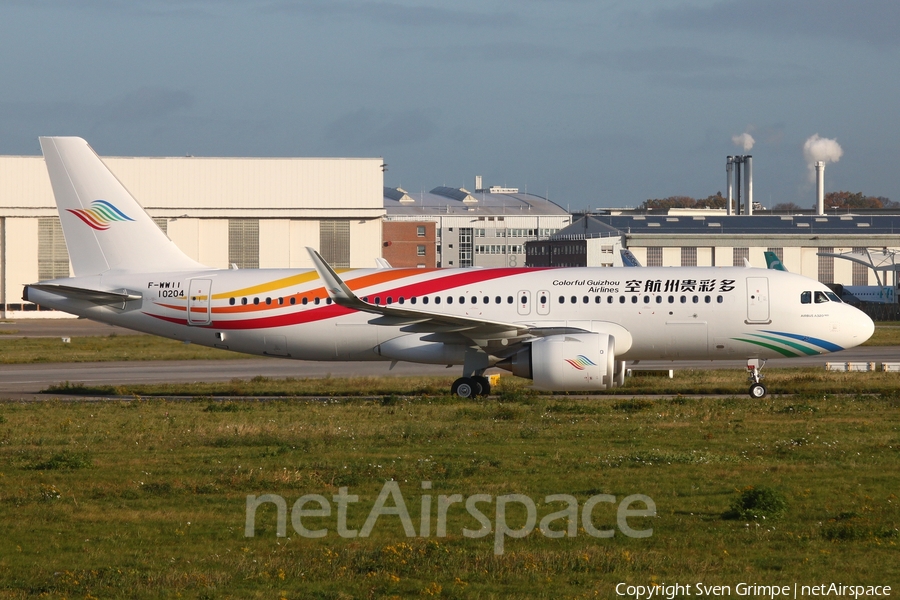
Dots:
pixel 653 313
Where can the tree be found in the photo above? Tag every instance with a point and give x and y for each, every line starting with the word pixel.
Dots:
pixel 850 201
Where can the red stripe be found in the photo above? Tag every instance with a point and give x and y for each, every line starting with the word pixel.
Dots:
pixel 432 286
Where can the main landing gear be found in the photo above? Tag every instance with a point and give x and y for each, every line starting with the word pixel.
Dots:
pixel 757 389
pixel 469 387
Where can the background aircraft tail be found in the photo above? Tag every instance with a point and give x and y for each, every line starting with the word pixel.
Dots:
pixel 773 262
pixel 104 226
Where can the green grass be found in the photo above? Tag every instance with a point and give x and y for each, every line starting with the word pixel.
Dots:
pixel 105 349
pixel 146 498
pixel 808 380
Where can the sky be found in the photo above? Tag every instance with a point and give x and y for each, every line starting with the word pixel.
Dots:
pixel 590 103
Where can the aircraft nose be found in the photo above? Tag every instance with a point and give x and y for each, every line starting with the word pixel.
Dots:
pixel 862 327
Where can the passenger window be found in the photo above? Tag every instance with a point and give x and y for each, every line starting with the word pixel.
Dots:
pixel 806 298
pixel 509 299
pixel 574 300
pixel 562 299
pixel 304 301
pixel 293 301
pixel 524 299
pixel 449 299
pixel 231 301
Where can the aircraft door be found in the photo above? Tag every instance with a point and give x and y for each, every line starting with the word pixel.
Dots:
pixel 543 302
pixel 199 298
pixel 758 300
pixel 524 300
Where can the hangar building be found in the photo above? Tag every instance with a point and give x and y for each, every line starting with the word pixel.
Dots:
pixel 248 212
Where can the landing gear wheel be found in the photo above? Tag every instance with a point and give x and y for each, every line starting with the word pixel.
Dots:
pixel 757 391
pixel 465 387
pixel 485 384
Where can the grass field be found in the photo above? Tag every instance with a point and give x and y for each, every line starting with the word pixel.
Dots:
pixel 147 499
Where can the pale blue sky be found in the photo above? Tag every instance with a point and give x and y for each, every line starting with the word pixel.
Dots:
pixel 596 103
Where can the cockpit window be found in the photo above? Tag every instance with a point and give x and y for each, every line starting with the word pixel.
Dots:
pixel 805 297
pixel 821 297
pixel 833 297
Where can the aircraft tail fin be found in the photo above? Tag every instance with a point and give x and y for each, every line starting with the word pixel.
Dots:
pixel 104 226
pixel 773 262
pixel 629 259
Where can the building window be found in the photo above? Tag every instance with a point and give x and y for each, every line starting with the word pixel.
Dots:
pixel 420 250
pixel 420 231
pixel 689 257
pixel 243 243
pixel 465 246
pixel 334 242
pixel 654 256
pixel 738 255
pixel 53 258
pixel 162 223
pixel 826 266
pixel 860 272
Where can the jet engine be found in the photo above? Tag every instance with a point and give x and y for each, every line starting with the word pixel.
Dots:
pixel 572 362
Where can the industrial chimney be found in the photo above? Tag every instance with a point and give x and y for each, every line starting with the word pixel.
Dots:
pixel 729 182
pixel 820 187
pixel 748 183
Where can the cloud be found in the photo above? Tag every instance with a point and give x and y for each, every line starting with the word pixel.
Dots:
pixel 396 14
pixel 367 128
pixel 697 68
pixel 870 21
pixel 147 104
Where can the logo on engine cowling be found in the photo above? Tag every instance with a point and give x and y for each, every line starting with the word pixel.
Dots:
pixel 581 362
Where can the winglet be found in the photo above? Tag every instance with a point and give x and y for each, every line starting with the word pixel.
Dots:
pixel 334 285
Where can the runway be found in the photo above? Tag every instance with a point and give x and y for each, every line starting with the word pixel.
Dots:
pixel 26 379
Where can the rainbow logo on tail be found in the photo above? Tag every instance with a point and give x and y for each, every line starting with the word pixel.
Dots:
pixel 100 215
pixel 581 362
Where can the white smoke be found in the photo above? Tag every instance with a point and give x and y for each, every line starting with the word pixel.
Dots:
pixel 744 140
pixel 818 148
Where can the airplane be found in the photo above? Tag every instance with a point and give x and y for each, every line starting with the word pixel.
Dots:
pixel 566 329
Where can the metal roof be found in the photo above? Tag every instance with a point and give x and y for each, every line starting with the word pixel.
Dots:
pixel 752 224
pixel 458 201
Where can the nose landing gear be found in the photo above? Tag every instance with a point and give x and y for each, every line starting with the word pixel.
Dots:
pixel 757 389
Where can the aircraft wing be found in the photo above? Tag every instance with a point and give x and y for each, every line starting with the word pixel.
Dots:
pixel 415 320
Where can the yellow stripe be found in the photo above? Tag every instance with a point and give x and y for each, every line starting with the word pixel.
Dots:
pixel 268 287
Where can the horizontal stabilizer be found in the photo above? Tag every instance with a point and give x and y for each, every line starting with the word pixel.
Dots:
pixel 102 297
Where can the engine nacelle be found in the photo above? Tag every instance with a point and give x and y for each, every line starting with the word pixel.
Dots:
pixel 567 363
